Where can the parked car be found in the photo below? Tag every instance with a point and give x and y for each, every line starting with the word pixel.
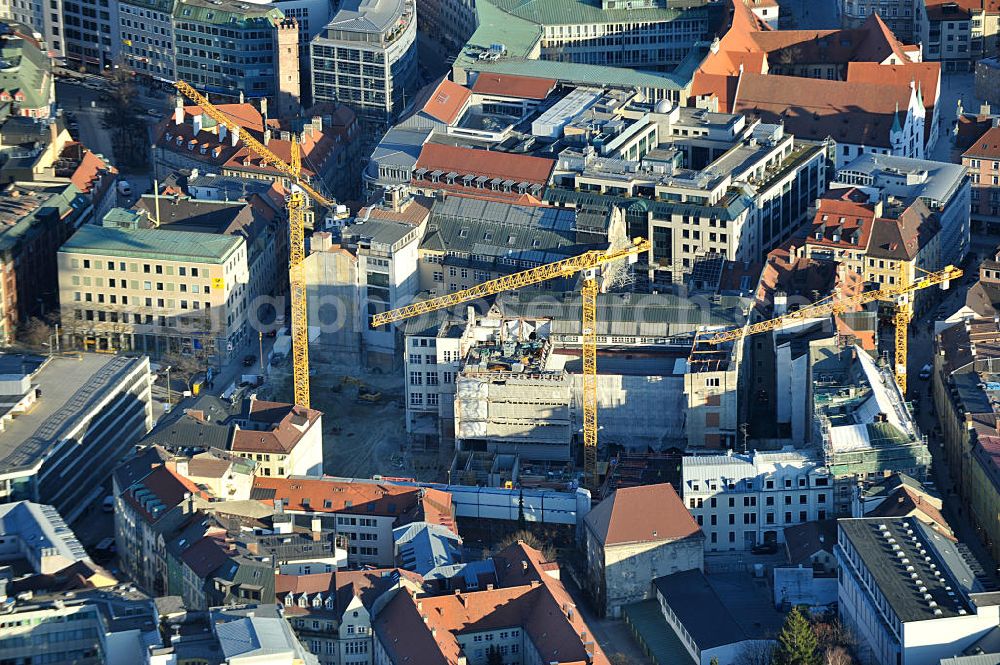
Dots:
pixel 769 547
pixel 108 505
pixel 925 372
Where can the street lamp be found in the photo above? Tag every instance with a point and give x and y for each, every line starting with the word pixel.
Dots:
pixel 169 405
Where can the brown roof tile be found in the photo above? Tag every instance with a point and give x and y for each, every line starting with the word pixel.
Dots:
pixel 856 113
pixel 447 101
pixel 490 163
pixel 624 517
pixel 511 85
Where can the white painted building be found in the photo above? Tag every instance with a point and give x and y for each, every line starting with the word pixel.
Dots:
pixel 907 593
pixel 387 273
pixel 741 500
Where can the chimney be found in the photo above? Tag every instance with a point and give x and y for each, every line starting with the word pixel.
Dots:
pixel 234 137
pixel 222 132
pixel 179 111
pixel 253 547
pixel 985 109
pixel 181 467
pixel 197 121
pixel 322 241
pixel 242 100
pixel 263 108
pixel 267 136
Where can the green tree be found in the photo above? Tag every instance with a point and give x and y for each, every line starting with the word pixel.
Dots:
pixel 797 644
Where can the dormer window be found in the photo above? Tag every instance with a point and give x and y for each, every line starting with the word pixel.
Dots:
pixel 303 602
pixel 329 603
pixel 317 601
pixel 289 600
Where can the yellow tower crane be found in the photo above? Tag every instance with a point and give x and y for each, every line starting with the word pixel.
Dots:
pixel 588 263
pixel 296 204
pixel 901 293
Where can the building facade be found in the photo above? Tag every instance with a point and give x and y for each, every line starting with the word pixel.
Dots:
pixel 154 290
pixel 908 593
pixel 366 57
pixel 628 546
pixel 70 419
pixel 234 50
pixel 147 38
pixel 744 500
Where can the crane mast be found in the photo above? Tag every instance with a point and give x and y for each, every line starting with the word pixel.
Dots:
pixel 588 263
pixel 296 205
pixel 901 293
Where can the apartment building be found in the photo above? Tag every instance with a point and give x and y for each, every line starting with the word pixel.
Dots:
pixel 328 143
pixel 156 291
pixel 957 34
pixel 332 612
pixel 982 161
pixel 628 546
pixel 26 83
pixel 944 188
pixel 887 242
pixel 67 423
pixel 902 17
pixel 277 439
pixel 528 617
pixel 250 51
pixel 363 513
pixel 908 593
pixel 963 385
pixel 147 38
pixel 37 220
pixel 742 500
pixel 366 57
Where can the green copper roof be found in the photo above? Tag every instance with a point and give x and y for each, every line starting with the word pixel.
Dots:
pixel 158 244
pixel 225 12
pixel 578 12
pixel 25 69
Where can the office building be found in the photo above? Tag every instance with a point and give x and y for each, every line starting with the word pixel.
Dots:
pixel 234 51
pixel 528 617
pixel 91 35
pixel 66 422
pixel 147 38
pixel 366 57
pixel 156 291
pixel 908 593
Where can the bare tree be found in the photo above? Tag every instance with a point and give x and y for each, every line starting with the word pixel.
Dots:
pixel 35 333
pixel 184 367
pixel 756 652
pixel 531 540
pixel 837 656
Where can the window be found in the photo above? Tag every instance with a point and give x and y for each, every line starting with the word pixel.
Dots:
pixel 416 379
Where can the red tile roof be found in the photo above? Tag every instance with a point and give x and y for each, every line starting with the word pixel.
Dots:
pixel 490 163
pixel 511 85
pixel 285 421
pixel 926 75
pixel 625 516
pixel 541 606
pixel 165 486
pixel 447 102
pixel 986 146
pixel 89 170
pixel 856 113
pixel 207 554
pixel 338 496
pixel 847 219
